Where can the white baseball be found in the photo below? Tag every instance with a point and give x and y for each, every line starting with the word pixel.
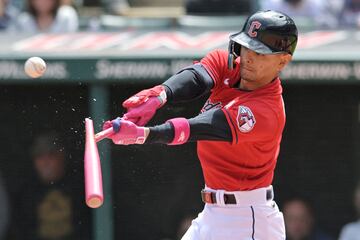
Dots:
pixel 35 67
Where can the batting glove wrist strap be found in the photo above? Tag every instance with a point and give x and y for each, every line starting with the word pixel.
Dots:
pixel 181 130
pixel 162 96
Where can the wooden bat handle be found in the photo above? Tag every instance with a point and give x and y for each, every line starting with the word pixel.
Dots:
pixel 103 134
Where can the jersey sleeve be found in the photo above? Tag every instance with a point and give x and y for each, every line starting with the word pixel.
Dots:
pixel 251 121
pixel 216 65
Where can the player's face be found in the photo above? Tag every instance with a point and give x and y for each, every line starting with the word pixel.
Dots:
pixel 259 69
pixel 50 167
pixel 298 220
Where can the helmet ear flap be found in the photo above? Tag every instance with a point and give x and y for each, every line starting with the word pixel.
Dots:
pixel 237 48
pixel 234 52
pixel 231 60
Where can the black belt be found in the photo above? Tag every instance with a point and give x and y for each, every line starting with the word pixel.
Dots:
pixel 210 197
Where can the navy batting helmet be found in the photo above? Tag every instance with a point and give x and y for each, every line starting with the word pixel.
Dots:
pixel 265 32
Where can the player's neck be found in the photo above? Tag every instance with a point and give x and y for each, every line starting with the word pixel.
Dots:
pixel 252 85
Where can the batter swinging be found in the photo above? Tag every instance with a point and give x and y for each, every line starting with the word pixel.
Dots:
pixel 238 130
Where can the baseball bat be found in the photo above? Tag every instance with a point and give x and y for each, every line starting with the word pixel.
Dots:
pixel 104 134
pixel 92 168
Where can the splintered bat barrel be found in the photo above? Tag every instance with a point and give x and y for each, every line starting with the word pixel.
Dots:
pixel 92 168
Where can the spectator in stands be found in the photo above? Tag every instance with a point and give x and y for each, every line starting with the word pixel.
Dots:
pixel 351 231
pixel 4 210
pixel 51 205
pixel 300 222
pixel 8 14
pixel 320 13
pixel 47 16
pixel 218 7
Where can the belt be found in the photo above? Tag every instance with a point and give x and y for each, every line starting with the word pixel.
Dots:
pixel 210 197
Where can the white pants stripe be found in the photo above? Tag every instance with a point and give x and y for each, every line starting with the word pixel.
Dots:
pixel 261 221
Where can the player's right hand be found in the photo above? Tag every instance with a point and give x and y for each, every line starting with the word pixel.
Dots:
pixel 142 106
pixel 125 132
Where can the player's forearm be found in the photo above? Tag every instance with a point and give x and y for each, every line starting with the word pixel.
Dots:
pixel 190 83
pixel 210 125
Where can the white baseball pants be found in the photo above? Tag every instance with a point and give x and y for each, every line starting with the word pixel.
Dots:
pixel 253 218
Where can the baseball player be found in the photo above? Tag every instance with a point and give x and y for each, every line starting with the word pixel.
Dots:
pixel 238 130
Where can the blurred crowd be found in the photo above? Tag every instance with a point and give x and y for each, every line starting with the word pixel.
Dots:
pixel 47 203
pixel 69 16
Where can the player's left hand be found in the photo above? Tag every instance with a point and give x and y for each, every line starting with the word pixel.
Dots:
pixel 125 132
pixel 142 106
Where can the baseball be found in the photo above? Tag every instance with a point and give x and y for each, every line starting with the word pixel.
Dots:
pixel 35 67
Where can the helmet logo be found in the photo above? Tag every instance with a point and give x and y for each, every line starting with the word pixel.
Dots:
pixel 255 25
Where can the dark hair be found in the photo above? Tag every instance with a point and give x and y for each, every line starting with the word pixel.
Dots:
pixel 33 11
pixel 47 143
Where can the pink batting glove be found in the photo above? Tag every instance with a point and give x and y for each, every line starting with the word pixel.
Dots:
pixel 126 132
pixel 142 114
pixel 143 105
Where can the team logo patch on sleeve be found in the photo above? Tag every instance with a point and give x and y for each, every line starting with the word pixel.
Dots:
pixel 245 119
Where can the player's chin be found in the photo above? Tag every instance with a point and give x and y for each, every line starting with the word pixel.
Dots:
pixel 248 77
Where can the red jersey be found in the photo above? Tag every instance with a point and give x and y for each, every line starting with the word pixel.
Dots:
pixel 256 119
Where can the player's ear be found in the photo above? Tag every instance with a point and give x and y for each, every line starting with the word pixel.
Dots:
pixel 284 60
